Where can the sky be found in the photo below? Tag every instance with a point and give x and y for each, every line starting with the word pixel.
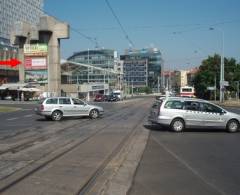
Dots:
pixel 180 29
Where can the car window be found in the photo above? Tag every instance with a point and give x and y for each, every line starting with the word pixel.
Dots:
pixel 64 101
pixel 52 101
pixel 174 104
pixel 77 101
pixel 206 107
pixel 192 105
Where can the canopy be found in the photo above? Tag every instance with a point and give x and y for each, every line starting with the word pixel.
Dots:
pixel 32 89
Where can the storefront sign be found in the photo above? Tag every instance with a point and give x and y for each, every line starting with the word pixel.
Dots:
pixel 35 49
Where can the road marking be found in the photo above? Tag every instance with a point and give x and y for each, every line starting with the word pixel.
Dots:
pixel 195 172
pixel 29 115
pixel 11 119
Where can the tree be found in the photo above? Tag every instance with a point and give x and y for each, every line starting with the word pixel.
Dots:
pixel 209 70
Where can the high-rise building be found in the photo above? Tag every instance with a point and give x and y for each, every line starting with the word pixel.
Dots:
pixel 12 11
pixel 142 67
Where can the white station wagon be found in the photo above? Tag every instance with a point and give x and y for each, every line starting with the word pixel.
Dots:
pixel 180 113
pixel 57 107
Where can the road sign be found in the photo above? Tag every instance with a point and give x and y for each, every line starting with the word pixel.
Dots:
pixel 211 88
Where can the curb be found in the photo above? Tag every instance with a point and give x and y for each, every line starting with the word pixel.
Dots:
pixel 119 173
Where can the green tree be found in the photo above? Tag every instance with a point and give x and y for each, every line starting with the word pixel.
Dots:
pixel 209 70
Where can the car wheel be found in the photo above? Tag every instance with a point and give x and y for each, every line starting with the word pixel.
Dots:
pixel 57 115
pixel 94 114
pixel 177 125
pixel 232 126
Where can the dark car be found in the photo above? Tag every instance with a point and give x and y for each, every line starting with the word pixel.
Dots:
pixel 112 98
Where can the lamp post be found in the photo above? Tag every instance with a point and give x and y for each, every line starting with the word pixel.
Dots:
pixel 222 66
pixel 237 95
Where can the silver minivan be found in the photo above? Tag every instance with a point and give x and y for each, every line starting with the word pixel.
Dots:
pixel 57 107
pixel 180 113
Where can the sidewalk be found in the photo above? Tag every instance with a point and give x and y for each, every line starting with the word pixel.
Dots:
pixel 230 103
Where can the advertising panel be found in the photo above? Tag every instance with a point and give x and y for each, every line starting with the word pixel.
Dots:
pixel 39 76
pixel 35 63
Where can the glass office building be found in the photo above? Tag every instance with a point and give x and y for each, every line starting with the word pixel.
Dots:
pixel 104 59
pixel 142 67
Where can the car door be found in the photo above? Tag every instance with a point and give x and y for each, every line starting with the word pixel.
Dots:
pixel 192 113
pixel 80 107
pixel 66 106
pixel 211 115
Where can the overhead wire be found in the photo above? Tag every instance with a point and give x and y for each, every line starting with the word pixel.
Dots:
pixel 119 23
pixel 89 38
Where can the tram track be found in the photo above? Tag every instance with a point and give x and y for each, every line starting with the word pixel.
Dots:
pixel 33 167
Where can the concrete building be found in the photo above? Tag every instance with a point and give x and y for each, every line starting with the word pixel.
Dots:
pixel 142 67
pixel 46 55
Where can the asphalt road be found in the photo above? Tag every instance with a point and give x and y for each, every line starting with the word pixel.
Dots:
pixel 25 118
pixel 193 162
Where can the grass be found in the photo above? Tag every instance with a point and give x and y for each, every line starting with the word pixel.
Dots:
pixel 8 109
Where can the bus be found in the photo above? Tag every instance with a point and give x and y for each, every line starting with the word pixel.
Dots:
pixel 187 91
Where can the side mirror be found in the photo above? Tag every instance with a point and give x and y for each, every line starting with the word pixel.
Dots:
pixel 222 112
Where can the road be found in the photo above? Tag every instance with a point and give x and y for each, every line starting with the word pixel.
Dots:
pixel 78 156
pixel 193 162
pixel 66 157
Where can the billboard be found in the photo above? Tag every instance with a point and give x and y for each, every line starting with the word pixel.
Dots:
pixel 39 76
pixel 35 63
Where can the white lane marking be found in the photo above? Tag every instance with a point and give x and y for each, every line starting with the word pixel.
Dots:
pixel 195 172
pixel 11 119
pixel 29 115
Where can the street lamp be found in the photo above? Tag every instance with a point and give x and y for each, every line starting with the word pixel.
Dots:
pixel 222 83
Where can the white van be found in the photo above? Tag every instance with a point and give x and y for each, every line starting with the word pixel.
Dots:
pixel 118 93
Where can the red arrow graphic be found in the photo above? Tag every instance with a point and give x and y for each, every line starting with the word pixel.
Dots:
pixel 11 62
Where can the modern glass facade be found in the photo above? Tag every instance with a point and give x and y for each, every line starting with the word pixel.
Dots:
pixel 100 58
pixel 12 11
pixel 142 67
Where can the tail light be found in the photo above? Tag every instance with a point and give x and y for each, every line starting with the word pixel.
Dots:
pixel 41 108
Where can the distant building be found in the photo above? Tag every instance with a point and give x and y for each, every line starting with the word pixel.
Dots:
pixel 142 67
pixel 101 58
pixel 175 79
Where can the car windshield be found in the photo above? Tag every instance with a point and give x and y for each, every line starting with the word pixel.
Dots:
pixel 78 101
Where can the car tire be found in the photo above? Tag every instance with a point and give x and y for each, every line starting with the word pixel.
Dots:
pixel 177 125
pixel 56 115
pixel 94 114
pixel 232 126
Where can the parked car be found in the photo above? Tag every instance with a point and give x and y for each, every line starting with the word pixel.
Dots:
pixel 112 98
pixel 179 113
pixel 58 107
pixel 100 98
